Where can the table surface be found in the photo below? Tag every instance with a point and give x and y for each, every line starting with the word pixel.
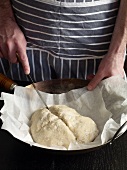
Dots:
pixel 16 155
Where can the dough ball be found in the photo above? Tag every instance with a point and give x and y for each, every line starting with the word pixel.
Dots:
pixel 61 125
pixel 47 129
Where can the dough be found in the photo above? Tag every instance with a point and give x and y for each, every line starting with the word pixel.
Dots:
pixel 47 129
pixel 61 125
pixel 83 128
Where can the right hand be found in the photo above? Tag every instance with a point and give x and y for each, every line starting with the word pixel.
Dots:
pixel 12 41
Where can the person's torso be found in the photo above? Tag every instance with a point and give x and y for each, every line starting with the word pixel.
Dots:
pixel 68 27
pixel 65 38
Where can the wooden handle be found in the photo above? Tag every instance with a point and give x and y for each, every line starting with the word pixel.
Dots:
pixel 6 83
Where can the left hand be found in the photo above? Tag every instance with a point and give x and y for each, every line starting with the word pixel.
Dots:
pixel 111 65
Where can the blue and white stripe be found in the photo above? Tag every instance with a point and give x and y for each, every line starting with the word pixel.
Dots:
pixel 65 38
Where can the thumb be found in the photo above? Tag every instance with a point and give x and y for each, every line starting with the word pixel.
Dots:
pixel 94 82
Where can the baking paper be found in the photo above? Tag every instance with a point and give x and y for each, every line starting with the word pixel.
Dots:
pixel 106 105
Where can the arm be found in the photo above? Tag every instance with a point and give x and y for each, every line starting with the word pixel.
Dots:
pixel 12 40
pixel 113 62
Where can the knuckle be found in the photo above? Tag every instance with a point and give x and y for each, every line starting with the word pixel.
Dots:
pixel 20 45
pixel 9 42
pixel 23 58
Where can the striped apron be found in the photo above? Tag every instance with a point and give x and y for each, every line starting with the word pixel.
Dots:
pixel 65 38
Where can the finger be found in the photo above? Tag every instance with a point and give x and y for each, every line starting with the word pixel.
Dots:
pixel 1 55
pixel 3 50
pixel 94 82
pixel 12 52
pixel 23 59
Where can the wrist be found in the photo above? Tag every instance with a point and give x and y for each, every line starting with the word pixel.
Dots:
pixel 117 47
pixel 6 12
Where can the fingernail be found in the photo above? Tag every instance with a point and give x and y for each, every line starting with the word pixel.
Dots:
pixel 89 87
pixel 27 71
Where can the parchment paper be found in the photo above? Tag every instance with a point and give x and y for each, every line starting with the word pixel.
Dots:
pixel 106 105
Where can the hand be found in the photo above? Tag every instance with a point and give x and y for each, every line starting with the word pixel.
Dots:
pixel 110 65
pixel 12 41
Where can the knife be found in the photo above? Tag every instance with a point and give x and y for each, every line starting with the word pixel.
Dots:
pixel 30 78
pixel 38 92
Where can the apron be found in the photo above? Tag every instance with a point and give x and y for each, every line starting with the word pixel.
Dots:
pixel 65 38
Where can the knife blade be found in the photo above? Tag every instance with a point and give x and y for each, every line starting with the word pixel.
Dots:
pixel 38 92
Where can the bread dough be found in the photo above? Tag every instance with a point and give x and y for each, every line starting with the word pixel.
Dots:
pixel 84 128
pixel 61 125
pixel 47 129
